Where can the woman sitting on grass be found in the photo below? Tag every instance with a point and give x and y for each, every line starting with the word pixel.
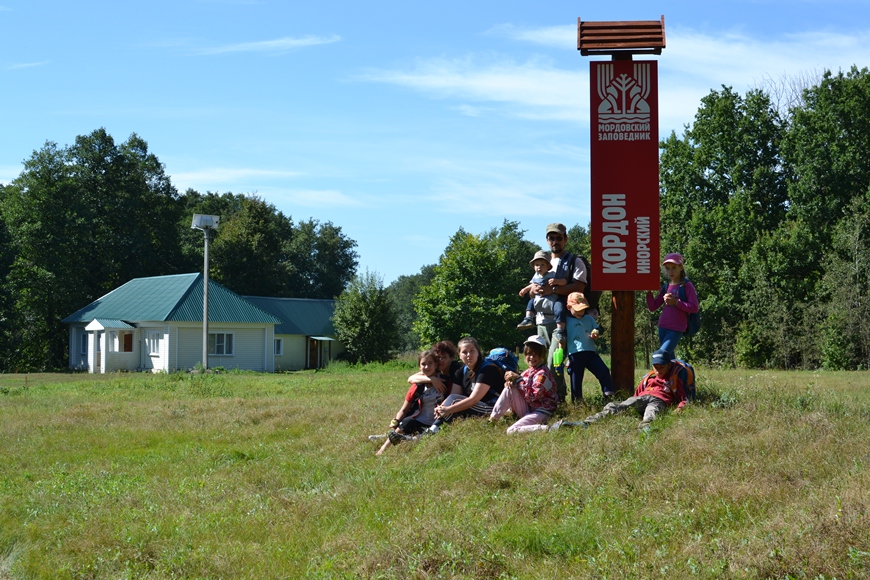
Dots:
pixel 418 410
pixel 532 396
pixel 446 351
pixel 477 389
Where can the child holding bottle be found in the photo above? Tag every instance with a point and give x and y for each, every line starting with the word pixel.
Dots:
pixel 582 353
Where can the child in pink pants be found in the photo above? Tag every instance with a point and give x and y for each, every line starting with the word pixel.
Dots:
pixel 532 396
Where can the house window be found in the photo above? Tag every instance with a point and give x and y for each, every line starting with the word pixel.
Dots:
pixel 220 343
pixel 113 341
pixel 152 342
pixel 84 344
pixel 279 347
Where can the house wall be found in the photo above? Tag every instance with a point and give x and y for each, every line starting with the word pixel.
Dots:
pixel 77 360
pixel 293 358
pixel 121 361
pixel 295 348
pixel 250 350
pixel 153 362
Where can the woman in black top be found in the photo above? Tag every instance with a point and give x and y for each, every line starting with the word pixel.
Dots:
pixel 476 386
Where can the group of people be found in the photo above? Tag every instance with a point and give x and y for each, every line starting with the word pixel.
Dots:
pixel 445 388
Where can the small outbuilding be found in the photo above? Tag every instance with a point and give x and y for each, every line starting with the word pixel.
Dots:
pixel 305 338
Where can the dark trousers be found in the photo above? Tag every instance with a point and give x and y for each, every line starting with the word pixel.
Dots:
pixel 588 359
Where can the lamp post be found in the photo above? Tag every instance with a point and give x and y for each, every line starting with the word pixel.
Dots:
pixel 205 223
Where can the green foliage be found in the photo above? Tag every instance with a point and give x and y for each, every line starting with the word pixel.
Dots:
pixel 723 186
pixel 259 251
pixel 321 260
pixel 474 288
pixel 826 148
pixel 83 219
pixel 770 213
pixel 402 292
pixel 80 221
pixel 247 253
pixel 365 321
pixel 846 289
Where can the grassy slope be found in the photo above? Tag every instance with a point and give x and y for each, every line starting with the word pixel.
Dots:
pixel 246 475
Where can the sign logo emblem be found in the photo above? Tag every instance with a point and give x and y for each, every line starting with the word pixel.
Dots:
pixel 624 112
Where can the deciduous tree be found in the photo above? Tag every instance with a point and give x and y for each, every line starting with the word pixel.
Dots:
pixel 365 321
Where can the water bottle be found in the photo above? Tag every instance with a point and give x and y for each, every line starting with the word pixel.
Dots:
pixel 559 361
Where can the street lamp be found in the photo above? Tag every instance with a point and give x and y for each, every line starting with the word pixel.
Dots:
pixel 205 223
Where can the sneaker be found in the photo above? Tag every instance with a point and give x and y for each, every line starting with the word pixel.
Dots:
pixel 608 394
pixel 396 438
pixel 527 322
pixel 380 437
pixel 562 424
pixel 559 335
pixel 433 429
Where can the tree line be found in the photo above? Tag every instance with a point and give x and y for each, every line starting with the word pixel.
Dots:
pixel 83 219
pixel 768 202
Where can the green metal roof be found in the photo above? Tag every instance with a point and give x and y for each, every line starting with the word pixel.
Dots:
pixel 175 298
pixel 304 316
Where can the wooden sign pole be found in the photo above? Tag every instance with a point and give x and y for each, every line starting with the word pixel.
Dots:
pixel 624 192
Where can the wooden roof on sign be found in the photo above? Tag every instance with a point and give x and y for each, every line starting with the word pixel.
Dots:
pixel 621 37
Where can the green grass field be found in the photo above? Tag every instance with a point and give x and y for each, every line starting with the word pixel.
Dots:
pixel 272 476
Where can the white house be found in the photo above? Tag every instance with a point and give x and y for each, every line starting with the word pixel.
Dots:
pixel 156 324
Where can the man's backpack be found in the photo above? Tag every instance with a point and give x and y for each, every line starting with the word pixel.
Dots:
pixel 592 296
pixel 695 317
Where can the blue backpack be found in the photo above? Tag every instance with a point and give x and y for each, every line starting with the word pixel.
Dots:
pixel 502 358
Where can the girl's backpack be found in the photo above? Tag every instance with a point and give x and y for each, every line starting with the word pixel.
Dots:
pixel 695 317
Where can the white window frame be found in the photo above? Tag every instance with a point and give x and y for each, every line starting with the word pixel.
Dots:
pixel 226 343
pixel 113 345
pixel 279 347
pixel 152 342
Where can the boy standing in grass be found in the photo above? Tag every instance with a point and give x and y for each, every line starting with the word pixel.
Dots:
pixel 582 353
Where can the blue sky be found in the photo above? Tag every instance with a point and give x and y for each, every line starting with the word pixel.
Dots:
pixel 398 121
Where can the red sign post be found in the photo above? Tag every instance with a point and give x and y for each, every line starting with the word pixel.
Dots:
pixel 625 175
pixel 625 172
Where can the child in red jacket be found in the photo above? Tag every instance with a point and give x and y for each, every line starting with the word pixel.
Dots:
pixel 653 395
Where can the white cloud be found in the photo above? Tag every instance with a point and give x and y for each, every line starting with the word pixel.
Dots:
pixel 27 65
pixel 317 198
pixel 9 172
pixel 533 89
pixel 277 46
pixel 563 36
pixel 692 64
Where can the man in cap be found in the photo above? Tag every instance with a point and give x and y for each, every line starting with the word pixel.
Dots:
pixel 569 276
